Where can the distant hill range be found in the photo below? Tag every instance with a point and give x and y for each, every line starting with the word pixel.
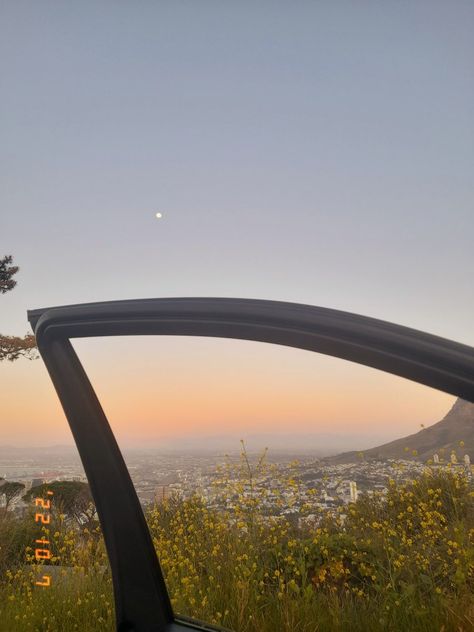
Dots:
pixel 441 438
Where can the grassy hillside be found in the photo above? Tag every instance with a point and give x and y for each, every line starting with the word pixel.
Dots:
pixel 402 563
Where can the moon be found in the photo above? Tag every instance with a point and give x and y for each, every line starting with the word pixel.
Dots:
pixel 159 215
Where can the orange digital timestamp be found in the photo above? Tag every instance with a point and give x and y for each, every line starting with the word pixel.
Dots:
pixel 43 552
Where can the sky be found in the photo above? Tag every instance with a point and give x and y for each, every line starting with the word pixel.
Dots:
pixel 311 152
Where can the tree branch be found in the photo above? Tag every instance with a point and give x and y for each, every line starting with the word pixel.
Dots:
pixel 14 347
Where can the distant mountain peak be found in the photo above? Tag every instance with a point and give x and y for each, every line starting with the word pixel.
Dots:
pixel 462 408
pixel 442 438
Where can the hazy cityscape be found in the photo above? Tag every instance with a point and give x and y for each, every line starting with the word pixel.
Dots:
pixel 298 517
pixel 323 485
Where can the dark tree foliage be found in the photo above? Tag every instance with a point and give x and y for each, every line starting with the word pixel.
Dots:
pixel 71 498
pixel 11 490
pixel 7 272
pixel 13 347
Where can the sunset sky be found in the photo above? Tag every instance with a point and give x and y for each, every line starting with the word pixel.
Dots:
pixel 313 152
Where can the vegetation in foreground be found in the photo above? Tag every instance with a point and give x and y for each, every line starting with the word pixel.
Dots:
pixel 404 563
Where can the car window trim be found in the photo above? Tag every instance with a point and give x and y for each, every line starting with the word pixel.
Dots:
pixel 141 598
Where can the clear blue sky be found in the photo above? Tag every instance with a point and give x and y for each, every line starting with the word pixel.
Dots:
pixel 319 152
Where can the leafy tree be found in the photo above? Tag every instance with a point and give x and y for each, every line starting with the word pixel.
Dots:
pixel 11 490
pixel 7 273
pixel 72 498
pixel 13 347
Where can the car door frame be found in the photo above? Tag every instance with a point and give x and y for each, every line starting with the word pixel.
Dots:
pixel 141 598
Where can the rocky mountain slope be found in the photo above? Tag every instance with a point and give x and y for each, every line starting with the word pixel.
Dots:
pixel 441 438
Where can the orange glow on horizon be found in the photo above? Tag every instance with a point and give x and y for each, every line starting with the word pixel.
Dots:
pixel 156 388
